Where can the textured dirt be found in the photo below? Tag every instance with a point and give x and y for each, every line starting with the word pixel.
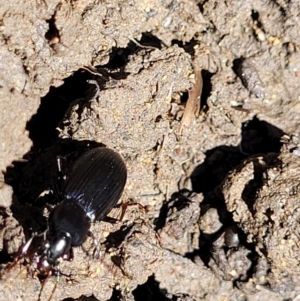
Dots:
pixel 213 211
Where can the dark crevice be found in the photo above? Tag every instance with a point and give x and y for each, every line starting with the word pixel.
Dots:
pixel 119 57
pixel 82 298
pixel 42 126
pixel 283 6
pixel 237 67
pixel 53 31
pixel 206 90
pixel 148 39
pixel 201 5
pixel 184 97
pixel 116 295
pixel 161 220
pixel 114 240
pixel 255 16
pixel 5 257
pixel 188 47
pixel 250 191
pixel 257 25
pixel 149 291
pixel 259 136
pixel 158 118
pixel 178 201
pixel 219 161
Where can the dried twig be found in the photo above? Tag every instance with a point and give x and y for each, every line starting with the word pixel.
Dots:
pixel 193 103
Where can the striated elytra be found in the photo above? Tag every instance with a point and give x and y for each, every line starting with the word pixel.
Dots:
pixel 93 188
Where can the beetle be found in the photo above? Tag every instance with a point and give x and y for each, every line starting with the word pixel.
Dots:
pixel 93 187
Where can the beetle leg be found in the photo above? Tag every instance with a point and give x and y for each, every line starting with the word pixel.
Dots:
pixel 61 177
pixel 21 254
pixel 59 167
pixel 93 82
pixel 69 256
pixel 124 207
pixel 111 220
pixel 43 283
pixel 97 252
pixel 25 248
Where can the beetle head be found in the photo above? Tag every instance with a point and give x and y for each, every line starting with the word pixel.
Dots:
pixel 58 246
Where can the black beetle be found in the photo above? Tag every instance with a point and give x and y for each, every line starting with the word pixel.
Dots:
pixel 92 189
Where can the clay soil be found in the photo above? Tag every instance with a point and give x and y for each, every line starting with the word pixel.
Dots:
pixel 201 99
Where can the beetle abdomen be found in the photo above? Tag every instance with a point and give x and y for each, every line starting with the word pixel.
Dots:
pixel 96 181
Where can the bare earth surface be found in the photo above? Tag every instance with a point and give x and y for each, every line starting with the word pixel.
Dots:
pixel 213 179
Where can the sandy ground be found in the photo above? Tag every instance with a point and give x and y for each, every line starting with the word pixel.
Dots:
pixel 201 99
